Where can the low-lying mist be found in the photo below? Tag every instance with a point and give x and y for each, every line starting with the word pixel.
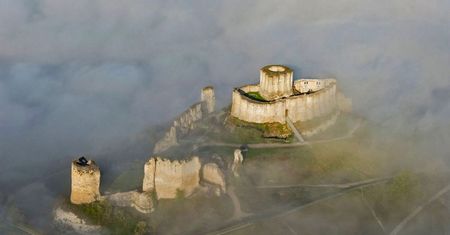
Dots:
pixel 95 77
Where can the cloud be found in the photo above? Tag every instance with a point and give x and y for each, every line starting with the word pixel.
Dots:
pixel 77 77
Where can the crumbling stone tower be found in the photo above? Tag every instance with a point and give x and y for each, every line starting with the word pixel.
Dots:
pixel 209 98
pixel 85 182
pixel 276 82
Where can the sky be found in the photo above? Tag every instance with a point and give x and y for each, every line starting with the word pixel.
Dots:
pixel 79 76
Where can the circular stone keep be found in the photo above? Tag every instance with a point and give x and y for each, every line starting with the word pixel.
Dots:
pixel 276 68
pixel 276 82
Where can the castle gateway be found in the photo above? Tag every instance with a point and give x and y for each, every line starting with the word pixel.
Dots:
pixel 278 97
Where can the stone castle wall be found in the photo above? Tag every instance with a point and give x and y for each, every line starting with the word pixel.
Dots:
pixel 298 108
pixel 85 186
pixel 311 85
pixel 185 122
pixel 275 82
pixel 167 178
pixel 209 99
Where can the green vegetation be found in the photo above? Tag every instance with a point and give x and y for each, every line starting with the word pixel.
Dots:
pixel 267 130
pixel 256 96
pixel 117 220
pixel 404 187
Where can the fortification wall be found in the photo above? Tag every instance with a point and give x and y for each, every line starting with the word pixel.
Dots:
pixel 312 85
pixel 250 110
pixel 85 186
pixel 167 177
pixel 209 99
pixel 299 107
pixel 250 88
pixel 148 184
pixel 185 121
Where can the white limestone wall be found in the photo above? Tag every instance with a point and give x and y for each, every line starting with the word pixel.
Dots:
pixel 300 107
pixel 312 85
pixel 166 177
pixel 249 110
pixel 85 187
pixel 276 82
pixel 209 98
pixel 250 88
pixel 185 122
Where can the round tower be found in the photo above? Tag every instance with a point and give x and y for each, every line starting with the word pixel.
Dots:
pixel 85 181
pixel 276 82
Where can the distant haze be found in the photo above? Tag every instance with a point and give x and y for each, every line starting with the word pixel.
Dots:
pixel 79 76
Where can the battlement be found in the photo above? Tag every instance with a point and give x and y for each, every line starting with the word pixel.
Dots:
pixel 277 97
pixel 167 178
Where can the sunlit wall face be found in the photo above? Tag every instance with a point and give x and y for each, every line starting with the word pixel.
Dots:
pixel 80 77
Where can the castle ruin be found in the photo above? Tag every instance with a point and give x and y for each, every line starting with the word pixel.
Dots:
pixel 85 182
pixel 171 178
pixel 185 122
pixel 278 97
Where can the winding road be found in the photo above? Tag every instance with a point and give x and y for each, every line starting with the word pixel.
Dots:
pixel 281 145
pixel 290 208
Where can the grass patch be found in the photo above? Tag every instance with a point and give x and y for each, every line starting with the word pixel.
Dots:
pixel 117 220
pixel 256 96
pixel 267 130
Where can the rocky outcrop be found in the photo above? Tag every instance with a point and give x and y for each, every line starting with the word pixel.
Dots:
pixel 185 122
pixel 237 161
pixel 211 173
pixel 85 186
pixel 142 202
pixel 169 179
pixel 69 219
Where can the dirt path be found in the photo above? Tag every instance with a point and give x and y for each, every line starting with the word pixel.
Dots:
pixel 418 209
pixel 338 186
pixel 294 129
pixel 238 213
pixel 282 145
pixel 289 209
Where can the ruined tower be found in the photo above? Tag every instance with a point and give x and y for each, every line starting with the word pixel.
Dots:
pixel 276 81
pixel 209 98
pixel 85 182
pixel 167 178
